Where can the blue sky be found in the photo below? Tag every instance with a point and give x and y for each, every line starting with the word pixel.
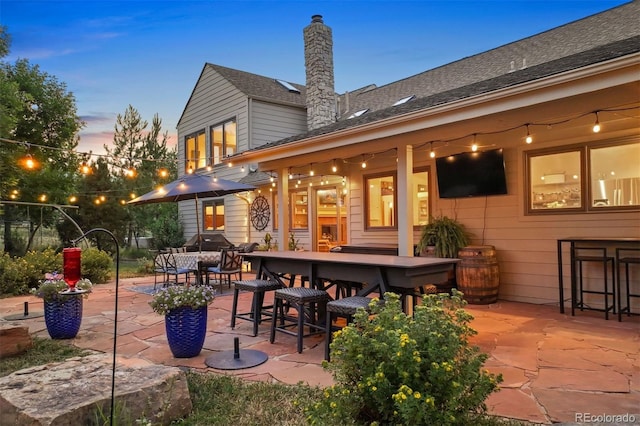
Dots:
pixel 150 53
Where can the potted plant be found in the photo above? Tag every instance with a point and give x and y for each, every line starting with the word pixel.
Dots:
pixel 62 309
pixel 446 236
pixel 443 237
pixel 185 311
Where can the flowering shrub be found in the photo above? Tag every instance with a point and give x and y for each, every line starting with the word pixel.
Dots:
pixel 177 296
pixel 391 368
pixel 50 288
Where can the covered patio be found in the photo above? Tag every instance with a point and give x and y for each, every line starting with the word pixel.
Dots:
pixel 556 367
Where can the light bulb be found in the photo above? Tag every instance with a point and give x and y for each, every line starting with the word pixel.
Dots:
pixel 528 139
pixel 474 147
pixel 334 167
pixel 596 126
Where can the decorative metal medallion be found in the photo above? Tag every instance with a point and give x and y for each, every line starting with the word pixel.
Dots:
pixel 260 213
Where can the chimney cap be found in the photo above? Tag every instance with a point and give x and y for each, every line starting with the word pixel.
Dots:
pixel 316 18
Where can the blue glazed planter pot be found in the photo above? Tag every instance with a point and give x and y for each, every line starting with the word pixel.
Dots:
pixel 63 317
pixel 186 328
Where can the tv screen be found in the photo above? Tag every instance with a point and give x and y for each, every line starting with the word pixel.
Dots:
pixel 471 174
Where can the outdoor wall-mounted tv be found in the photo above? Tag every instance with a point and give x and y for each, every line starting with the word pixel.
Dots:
pixel 471 174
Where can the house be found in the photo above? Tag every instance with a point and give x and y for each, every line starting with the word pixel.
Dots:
pixel 361 167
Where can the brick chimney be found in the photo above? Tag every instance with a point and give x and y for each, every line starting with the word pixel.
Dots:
pixel 318 60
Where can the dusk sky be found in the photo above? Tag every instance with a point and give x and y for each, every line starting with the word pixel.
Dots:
pixel 149 54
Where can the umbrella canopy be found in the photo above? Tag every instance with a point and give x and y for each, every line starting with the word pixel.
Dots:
pixel 192 187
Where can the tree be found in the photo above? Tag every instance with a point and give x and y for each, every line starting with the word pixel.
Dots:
pixel 146 152
pixel 36 111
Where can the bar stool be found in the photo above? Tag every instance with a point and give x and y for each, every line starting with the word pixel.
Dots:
pixel 582 255
pixel 626 257
pixel 306 301
pixel 346 308
pixel 258 309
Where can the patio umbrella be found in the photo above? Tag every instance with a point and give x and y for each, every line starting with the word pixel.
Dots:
pixel 192 187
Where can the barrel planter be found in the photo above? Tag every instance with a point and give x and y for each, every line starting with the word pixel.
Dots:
pixel 478 274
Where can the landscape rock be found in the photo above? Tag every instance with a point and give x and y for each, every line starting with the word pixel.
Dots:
pixel 15 339
pixel 78 391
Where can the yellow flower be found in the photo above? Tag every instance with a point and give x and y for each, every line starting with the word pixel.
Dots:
pixel 374 388
pixel 417 395
pixel 333 405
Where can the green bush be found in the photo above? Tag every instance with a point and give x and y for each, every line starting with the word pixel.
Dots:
pixel 391 368
pixel 20 274
pixel 96 265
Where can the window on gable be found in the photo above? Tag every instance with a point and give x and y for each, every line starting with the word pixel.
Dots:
pixel 223 140
pixel 195 151
pixel 404 100
pixel 358 113
pixel 213 214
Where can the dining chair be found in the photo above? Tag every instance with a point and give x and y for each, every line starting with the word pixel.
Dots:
pixel 172 269
pixel 159 268
pixel 230 264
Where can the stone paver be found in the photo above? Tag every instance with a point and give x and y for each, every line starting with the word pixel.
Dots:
pixel 554 365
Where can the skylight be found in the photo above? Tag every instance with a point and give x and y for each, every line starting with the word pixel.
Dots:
pixel 404 100
pixel 358 113
pixel 288 86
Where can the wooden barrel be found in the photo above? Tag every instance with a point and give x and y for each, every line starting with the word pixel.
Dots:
pixel 478 275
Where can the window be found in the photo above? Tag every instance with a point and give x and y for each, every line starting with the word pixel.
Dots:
pixel 583 178
pixel 223 140
pixel 615 176
pixel 299 210
pixel 421 196
pixel 195 151
pixel 555 180
pixel 213 216
pixel 380 201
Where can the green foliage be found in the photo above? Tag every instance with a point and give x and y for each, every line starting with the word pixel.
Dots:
pixel 447 235
pixel 166 227
pixel 20 274
pixel 391 368
pixel 293 243
pixel 96 265
pixel 178 296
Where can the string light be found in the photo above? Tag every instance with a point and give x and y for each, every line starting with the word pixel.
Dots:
pixel 290 174
pixel 85 169
pixel 311 172
pixel 596 126
pixel 528 138
pixel 432 153
pixel 474 147
pixel 334 167
pixel 364 163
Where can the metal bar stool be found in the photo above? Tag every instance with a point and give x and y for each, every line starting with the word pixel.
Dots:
pixel 582 255
pixel 299 298
pixel 258 309
pixel 626 257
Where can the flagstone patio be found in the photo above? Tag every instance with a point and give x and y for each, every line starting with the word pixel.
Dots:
pixel 556 368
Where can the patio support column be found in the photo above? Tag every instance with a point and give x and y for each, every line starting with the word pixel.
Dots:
pixel 284 212
pixel 404 209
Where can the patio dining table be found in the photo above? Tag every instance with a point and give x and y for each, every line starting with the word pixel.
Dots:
pixel 190 260
pixel 380 272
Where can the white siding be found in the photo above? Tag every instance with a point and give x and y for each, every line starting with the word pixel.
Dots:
pixel 271 122
pixel 215 100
